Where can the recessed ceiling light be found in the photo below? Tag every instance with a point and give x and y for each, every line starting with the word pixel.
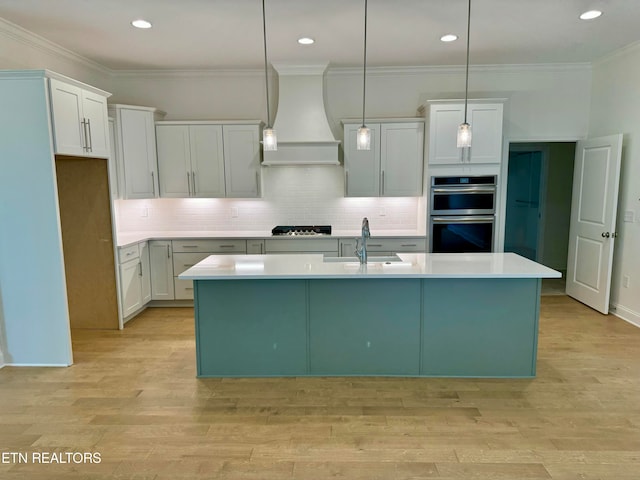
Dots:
pixel 141 23
pixel 449 37
pixel 590 15
pixel 306 41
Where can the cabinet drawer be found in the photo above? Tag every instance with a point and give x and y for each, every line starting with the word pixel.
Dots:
pixel 302 245
pixel 183 289
pixel 128 253
pixel 183 261
pixel 210 246
pixel 396 245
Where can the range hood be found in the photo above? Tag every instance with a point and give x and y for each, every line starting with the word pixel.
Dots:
pixel 304 135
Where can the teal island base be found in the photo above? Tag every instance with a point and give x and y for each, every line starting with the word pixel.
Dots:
pixel 451 327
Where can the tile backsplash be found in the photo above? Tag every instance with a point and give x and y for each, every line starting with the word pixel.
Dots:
pixel 310 195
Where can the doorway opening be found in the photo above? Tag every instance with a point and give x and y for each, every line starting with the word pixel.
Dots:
pixel 538 205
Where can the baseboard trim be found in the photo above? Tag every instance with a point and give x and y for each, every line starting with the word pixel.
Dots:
pixel 626 314
pixel 170 303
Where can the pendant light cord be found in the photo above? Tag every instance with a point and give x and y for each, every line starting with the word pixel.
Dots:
pixel 266 76
pixel 466 86
pixel 364 63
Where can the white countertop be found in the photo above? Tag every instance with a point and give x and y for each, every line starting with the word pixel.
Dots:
pixel 413 265
pixel 130 238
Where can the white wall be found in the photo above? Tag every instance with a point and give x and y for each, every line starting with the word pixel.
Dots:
pixel 615 108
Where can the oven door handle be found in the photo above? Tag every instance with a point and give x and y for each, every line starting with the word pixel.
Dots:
pixel 469 219
pixel 491 189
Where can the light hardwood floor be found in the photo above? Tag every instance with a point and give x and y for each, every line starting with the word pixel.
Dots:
pixel 133 397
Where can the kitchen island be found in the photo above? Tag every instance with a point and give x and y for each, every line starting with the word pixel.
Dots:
pixel 467 315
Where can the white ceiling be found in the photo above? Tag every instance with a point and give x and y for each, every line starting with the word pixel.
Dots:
pixel 221 34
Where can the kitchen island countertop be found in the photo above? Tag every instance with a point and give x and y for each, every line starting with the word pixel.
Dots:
pixel 412 265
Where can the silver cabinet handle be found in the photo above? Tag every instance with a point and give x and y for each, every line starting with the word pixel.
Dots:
pixel 139 269
pixel 408 245
pixel 375 244
pixel 83 140
pixel 188 288
pixel 153 184
pixel 257 182
pixel 190 246
pixel 346 182
pixel 168 251
pixel 89 139
pixel 226 246
pixel 382 182
pixel 193 181
pixel 188 265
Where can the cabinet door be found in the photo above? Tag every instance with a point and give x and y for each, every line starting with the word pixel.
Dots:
pixel 348 247
pixel 486 126
pixel 130 287
pixel 242 160
pixel 444 121
pixel 145 272
pixel 361 167
pixel 207 161
pixel 160 256
pixel 66 103
pixel 174 165
pixel 138 138
pixel 401 158
pixel 94 111
pixel 255 247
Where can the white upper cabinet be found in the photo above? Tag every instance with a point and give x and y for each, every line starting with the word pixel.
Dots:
pixel 392 167
pixel 190 160
pixel 80 122
pixel 486 127
pixel 136 141
pixel 208 159
pixel 242 160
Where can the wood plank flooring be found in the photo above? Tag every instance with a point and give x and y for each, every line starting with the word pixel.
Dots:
pixel 132 396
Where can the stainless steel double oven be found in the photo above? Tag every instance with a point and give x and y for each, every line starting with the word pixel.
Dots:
pixel 462 214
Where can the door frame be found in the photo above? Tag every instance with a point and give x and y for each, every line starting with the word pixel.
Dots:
pixel 501 207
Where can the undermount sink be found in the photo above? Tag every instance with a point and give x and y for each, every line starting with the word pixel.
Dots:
pixel 371 259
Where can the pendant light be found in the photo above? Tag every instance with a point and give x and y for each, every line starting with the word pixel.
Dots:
pixel 464 130
pixel 269 139
pixel 363 139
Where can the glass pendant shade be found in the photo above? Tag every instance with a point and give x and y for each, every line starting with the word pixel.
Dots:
pixel 269 140
pixel 363 141
pixel 464 135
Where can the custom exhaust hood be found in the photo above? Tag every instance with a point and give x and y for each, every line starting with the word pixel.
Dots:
pixel 304 135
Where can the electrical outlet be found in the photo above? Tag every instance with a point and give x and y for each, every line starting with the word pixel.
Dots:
pixel 628 216
pixel 382 212
pixel 144 212
pixel 625 281
pixel 234 212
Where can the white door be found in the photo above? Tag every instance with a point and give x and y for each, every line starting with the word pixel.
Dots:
pixel 131 287
pixel 241 160
pixel 160 256
pixel 361 167
pixel 593 220
pixel 207 161
pixel 401 158
pixel 66 101
pixel 174 160
pixel 145 272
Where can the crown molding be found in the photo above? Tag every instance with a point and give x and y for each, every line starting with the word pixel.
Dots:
pixel 456 69
pixel 21 35
pixel 626 50
pixel 187 73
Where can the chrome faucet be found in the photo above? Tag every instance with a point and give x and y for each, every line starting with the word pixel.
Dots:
pixel 361 252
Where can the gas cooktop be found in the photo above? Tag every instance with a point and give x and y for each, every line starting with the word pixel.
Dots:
pixel 300 230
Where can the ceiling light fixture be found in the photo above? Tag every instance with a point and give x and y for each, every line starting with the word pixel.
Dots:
pixel 464 130
pixel 306 41
pixel 269 139
pixel 141 23
pixel 449 37
pixel 363 139
pixel 590 15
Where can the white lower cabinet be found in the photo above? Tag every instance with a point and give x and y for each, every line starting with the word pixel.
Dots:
pixel 186 253
pixel 385 246
pixel 135 278
pixel 161 259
